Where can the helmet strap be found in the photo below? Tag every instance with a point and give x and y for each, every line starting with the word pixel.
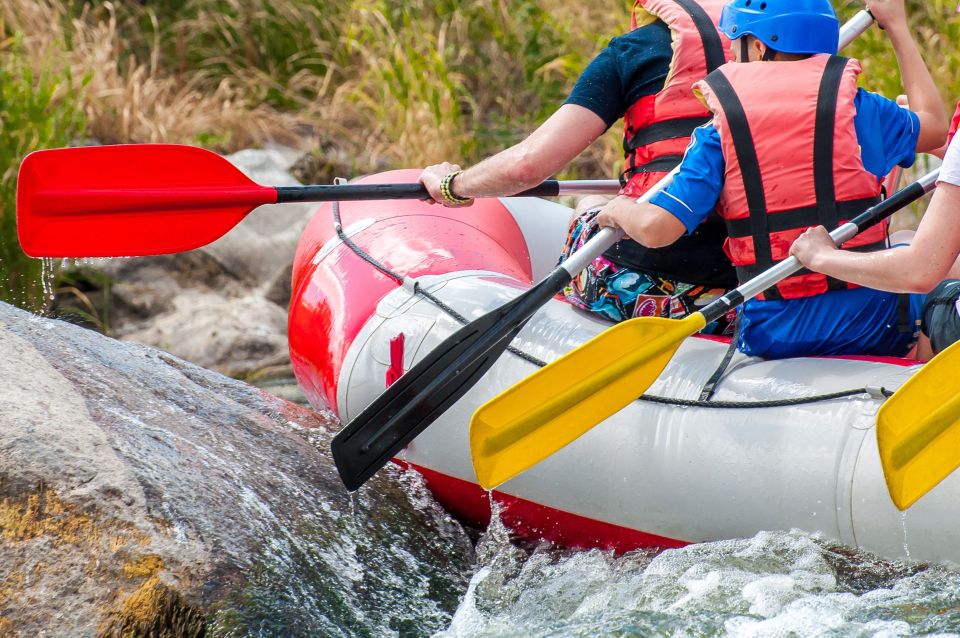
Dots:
pixel 769 55
pixel 744 49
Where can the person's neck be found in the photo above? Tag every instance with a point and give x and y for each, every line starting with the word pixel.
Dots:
pixel 790 57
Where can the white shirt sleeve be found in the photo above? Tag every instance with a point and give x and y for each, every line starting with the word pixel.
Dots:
pixel 950 170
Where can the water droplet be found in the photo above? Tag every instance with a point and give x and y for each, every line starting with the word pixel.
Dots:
pixel 903 522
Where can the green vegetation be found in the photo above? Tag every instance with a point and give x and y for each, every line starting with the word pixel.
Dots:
pixel 370 84
pixel 40 110
pixel 936 26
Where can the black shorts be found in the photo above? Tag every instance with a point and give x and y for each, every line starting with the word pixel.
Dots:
pixel 941 315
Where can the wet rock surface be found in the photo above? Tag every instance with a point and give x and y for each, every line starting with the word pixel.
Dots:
pixel 143 495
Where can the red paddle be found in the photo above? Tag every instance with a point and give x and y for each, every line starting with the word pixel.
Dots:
pixel 152 199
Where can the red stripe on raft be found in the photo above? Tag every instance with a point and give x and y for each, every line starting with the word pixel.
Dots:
pixel 894 361
pixel 536 522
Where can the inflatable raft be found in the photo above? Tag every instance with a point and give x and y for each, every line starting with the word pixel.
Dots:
pixel 653 475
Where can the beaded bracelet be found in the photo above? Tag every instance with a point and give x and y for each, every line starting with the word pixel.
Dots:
pixel 447 194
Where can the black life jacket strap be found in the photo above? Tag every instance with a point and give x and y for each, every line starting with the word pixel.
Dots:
pixel 904 323
pixel 801 217
pixel 663 131
pixel 749 165
pixel 823 142
pixel 663 164
pixel 712 44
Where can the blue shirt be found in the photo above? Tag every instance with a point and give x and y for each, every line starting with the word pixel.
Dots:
pixel 859 321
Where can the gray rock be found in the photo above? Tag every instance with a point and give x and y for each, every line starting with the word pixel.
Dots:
pixel 234 336
pixel 221 306
pixel 263 244
pixel 142 495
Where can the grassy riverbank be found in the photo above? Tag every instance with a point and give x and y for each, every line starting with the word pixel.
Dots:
pixel 361 85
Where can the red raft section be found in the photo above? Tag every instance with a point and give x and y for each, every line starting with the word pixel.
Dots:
pixel 335 292
pixel 536 522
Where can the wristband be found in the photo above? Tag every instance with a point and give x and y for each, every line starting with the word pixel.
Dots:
pixel 447 193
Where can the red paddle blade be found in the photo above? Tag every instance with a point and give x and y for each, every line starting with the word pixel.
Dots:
pixel 129 200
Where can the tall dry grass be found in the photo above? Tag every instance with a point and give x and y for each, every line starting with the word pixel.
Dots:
pixel 381 83
pixel 39 109
pixel 936 26
pixel 374 83
pixel 392 82
pixel 129 99
pixel 398 82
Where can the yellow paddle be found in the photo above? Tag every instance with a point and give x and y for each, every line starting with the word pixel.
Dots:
pixel 918 429
pixel 560 402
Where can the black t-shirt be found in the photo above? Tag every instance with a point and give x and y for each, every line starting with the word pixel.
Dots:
pixel 633 66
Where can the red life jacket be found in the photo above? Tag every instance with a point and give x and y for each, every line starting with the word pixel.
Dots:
pixel 792 162
pixel 656 133
pixel 657 128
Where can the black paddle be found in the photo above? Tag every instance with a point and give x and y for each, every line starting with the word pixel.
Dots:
pixel 425 391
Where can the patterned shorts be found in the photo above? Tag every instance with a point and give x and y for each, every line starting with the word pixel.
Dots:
pixel 618 293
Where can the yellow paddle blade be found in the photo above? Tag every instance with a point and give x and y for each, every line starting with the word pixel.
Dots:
pixel 918 429
pixel 553 407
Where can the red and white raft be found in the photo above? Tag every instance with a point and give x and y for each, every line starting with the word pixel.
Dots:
pixel 650 476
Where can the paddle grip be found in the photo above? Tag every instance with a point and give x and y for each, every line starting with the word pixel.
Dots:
pixel 844 233
pixel 903 197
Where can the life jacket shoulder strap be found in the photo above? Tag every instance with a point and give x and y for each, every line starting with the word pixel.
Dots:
pixel 664 130
pixel 713 47
pixel 823 141
pixel 746 152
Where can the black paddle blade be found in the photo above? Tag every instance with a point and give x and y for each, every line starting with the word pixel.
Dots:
pixel 425 391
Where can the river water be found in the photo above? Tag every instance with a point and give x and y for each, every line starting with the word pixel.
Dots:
pixel 775 584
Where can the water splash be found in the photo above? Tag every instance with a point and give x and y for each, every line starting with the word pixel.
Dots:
pixel 903 523
pixel 774 584
pixel 48 272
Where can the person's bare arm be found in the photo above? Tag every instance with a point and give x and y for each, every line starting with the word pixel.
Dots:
pixel 915 268
pixel 566 134
pixel 647 224
pixel 924 98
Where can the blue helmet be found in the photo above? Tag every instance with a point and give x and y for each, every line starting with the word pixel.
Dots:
pixel 790 26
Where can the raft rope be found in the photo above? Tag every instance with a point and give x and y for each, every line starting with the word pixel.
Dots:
pixel 400 279
pixel 875 392
pixel 708 389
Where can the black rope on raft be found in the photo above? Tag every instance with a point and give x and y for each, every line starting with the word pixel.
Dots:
pixel 773 403
pixel 686 403
pixel 338 226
